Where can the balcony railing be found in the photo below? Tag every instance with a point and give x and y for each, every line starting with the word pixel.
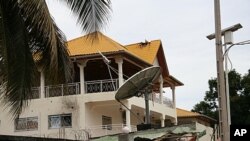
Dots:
pixel 111 129
pixel 35 92
pixel 62 90
pixel 156 98
pixel 96 86
pixel 168 102
pixel 101 86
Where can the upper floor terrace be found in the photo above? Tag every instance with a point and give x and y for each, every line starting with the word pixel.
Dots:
pixel 94 76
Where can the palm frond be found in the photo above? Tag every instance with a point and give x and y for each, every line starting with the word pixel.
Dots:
pixel 50 42
pixel 17 62
pixel 91 14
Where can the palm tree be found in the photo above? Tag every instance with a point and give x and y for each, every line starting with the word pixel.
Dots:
pixel 30 38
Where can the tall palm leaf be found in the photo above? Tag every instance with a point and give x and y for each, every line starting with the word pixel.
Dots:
pixel 27 28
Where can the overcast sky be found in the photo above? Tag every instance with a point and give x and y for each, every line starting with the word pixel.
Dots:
pixel 182 26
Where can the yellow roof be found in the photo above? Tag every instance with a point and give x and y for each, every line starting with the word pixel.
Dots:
pixel 185 113
pixel 85 45
pixel 146 51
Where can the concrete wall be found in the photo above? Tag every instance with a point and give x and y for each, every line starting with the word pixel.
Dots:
pixel 86 110
pixel 42 108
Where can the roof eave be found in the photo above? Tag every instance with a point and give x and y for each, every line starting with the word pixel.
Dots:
pixel 108 54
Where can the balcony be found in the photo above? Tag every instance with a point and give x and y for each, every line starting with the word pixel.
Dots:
pixel 166 101
pixel 97 86
pixel 62 90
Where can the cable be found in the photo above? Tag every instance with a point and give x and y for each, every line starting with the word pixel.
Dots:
pixel 112 81
pixel 239 43
pixel 107 62
pixel 116 71
pixel 231 64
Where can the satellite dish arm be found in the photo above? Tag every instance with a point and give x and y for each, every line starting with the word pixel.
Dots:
pixel 105 59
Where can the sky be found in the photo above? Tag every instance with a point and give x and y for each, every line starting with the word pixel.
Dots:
pixel 182 26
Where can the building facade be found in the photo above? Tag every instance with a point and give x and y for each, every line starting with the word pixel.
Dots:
pixel 86 107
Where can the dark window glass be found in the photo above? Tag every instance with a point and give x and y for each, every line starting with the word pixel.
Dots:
pixel 106 122
pixel 58 121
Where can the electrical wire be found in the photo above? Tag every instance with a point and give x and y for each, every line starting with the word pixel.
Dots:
pixel 239 43
pixel 231 64
pixel 107 62
pixel 110 74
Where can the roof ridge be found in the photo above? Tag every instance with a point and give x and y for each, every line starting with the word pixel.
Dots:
pixel 141 42
pixel 112 40
pixel 188 111
pixel 75 38
pixel 101 35
pixel 85 35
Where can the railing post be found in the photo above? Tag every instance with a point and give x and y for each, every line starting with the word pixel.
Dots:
pixel 116 81
pixel 47 91
pixel 101 83
pixel 62 89
pixel 77 88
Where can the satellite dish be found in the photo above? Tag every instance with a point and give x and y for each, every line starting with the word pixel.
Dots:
pixel 137 85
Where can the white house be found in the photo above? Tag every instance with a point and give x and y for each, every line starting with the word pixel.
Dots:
pixel 87 106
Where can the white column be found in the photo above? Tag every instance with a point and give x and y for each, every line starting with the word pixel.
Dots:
pixel 119 61
pixel 128 121
pixel 161 89
pixel 173 96
pixel 163 120
pixel 174 121
pixel 81 66
pixel 82 115
pixel 42 84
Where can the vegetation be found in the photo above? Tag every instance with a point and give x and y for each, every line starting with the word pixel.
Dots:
pixel 239 90
pixel 30 40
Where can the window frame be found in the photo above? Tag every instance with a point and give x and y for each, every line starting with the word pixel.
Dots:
pixel 108 119
pixel 61 122
pixel 26 120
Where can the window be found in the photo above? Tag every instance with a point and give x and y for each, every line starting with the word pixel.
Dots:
pixel 58 121
pixel 24 124
pixel 106 122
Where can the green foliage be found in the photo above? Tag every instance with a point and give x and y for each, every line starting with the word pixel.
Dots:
pixel 30 40
pixel 239 90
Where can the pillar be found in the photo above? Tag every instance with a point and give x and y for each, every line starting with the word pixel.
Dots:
pixel 128 121
pixel 81 66
pixel 163 120
pixel 174 121
pixel 82 115
pixel 173 96
pixel 119 61
pixel 42 84
pixel 161 90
